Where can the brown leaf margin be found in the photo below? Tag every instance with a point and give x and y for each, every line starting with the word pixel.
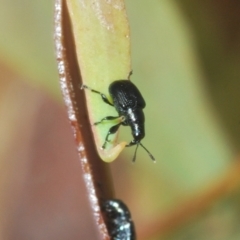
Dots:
pixel 96 173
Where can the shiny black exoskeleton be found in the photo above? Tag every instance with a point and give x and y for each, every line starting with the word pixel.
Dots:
pixel 129 104
pixel 118 220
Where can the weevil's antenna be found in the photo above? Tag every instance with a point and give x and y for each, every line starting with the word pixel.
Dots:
pixel 150 155
pixel 135 153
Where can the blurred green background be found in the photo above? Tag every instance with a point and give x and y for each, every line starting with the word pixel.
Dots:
pixel 185 57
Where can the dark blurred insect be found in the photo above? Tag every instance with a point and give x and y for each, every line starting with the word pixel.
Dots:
pixel 118 220
pixel 129 104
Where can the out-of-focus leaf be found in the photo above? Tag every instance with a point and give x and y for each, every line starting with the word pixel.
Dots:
pixel 26 42
pixel 42 193
pixel 183 130
pixel 186 64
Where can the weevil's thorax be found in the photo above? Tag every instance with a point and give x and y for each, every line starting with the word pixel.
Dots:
pixel 135 116
pixel 135 119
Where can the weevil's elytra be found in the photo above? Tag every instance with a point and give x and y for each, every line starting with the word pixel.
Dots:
pixel 129 104
pixel 118 219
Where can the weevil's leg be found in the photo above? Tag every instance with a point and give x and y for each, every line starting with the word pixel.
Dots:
pixel 108 118
pixel 112 130
pixel 130 74
pixel 104 98
pixel 133 142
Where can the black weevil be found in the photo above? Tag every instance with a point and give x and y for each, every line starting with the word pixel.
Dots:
pixel 118 220
pixel 129 104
